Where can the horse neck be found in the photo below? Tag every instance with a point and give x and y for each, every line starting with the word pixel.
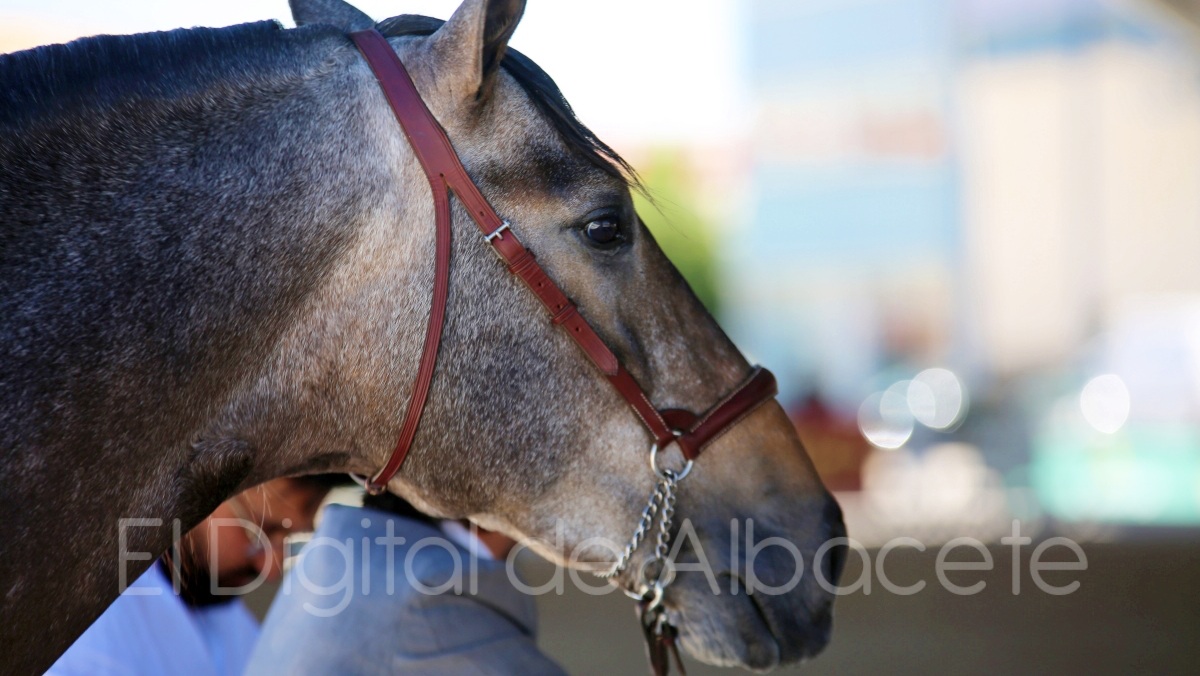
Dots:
pixel 152 251
pixel 155 247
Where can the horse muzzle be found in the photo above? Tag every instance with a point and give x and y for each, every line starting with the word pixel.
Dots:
pixel 772 601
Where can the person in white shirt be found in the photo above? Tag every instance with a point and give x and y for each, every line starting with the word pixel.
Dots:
pixel 183 615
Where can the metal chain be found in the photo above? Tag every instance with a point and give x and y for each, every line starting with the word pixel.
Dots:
pixel 668 516
pixel 647 519
pixel 662 504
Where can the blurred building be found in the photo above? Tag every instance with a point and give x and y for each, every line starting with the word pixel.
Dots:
pixel 1080 148
pixel 1009 189
pixel 854 220
pixel 978 183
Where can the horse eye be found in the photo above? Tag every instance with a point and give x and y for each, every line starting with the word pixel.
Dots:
pixel 603 230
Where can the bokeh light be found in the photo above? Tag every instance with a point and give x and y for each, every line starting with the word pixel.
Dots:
pixel 1105 403
pixel 884 418
pixel 936 398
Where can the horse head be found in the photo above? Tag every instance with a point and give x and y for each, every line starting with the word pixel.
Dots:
pixel 521 433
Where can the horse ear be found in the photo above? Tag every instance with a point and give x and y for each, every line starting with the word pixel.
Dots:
pixel 472 43
pixel 334 13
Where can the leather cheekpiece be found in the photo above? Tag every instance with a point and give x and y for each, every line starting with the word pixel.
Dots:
pixel 446 174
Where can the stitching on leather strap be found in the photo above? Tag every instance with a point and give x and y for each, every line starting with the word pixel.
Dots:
pixel 724 429
pixel 738 390
pixel 662 424
pixel 523 262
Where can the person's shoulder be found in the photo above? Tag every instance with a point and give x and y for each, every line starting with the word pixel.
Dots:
pixel 128 634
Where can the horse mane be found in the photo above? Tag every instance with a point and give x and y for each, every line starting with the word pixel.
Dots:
pixel 542 91
pixel 105 69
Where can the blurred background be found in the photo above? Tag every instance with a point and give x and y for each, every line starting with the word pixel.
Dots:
pixel 964 234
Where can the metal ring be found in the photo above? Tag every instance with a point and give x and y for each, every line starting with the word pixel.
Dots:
pixel 662 473
pixel 367 484
pixel 655 595
pixel 667 575
pixel 650 593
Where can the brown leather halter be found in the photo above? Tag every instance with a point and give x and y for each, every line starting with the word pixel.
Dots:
pixel 446 173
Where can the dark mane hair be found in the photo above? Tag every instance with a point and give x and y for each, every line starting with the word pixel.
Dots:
pixel 105 69
pixel 541 90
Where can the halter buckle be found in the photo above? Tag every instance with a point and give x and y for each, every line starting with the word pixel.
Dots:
pixel 498 233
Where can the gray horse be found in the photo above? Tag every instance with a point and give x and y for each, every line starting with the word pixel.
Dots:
pixel 216 259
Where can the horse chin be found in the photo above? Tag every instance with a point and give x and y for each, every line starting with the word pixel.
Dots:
pixel 756 632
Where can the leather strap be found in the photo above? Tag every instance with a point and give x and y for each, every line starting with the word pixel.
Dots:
pixel 446 173
pixel 407 105
pixel 700 431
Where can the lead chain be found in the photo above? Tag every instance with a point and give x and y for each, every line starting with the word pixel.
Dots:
pixel 662 506
pixel 665 521
pixel 657 497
